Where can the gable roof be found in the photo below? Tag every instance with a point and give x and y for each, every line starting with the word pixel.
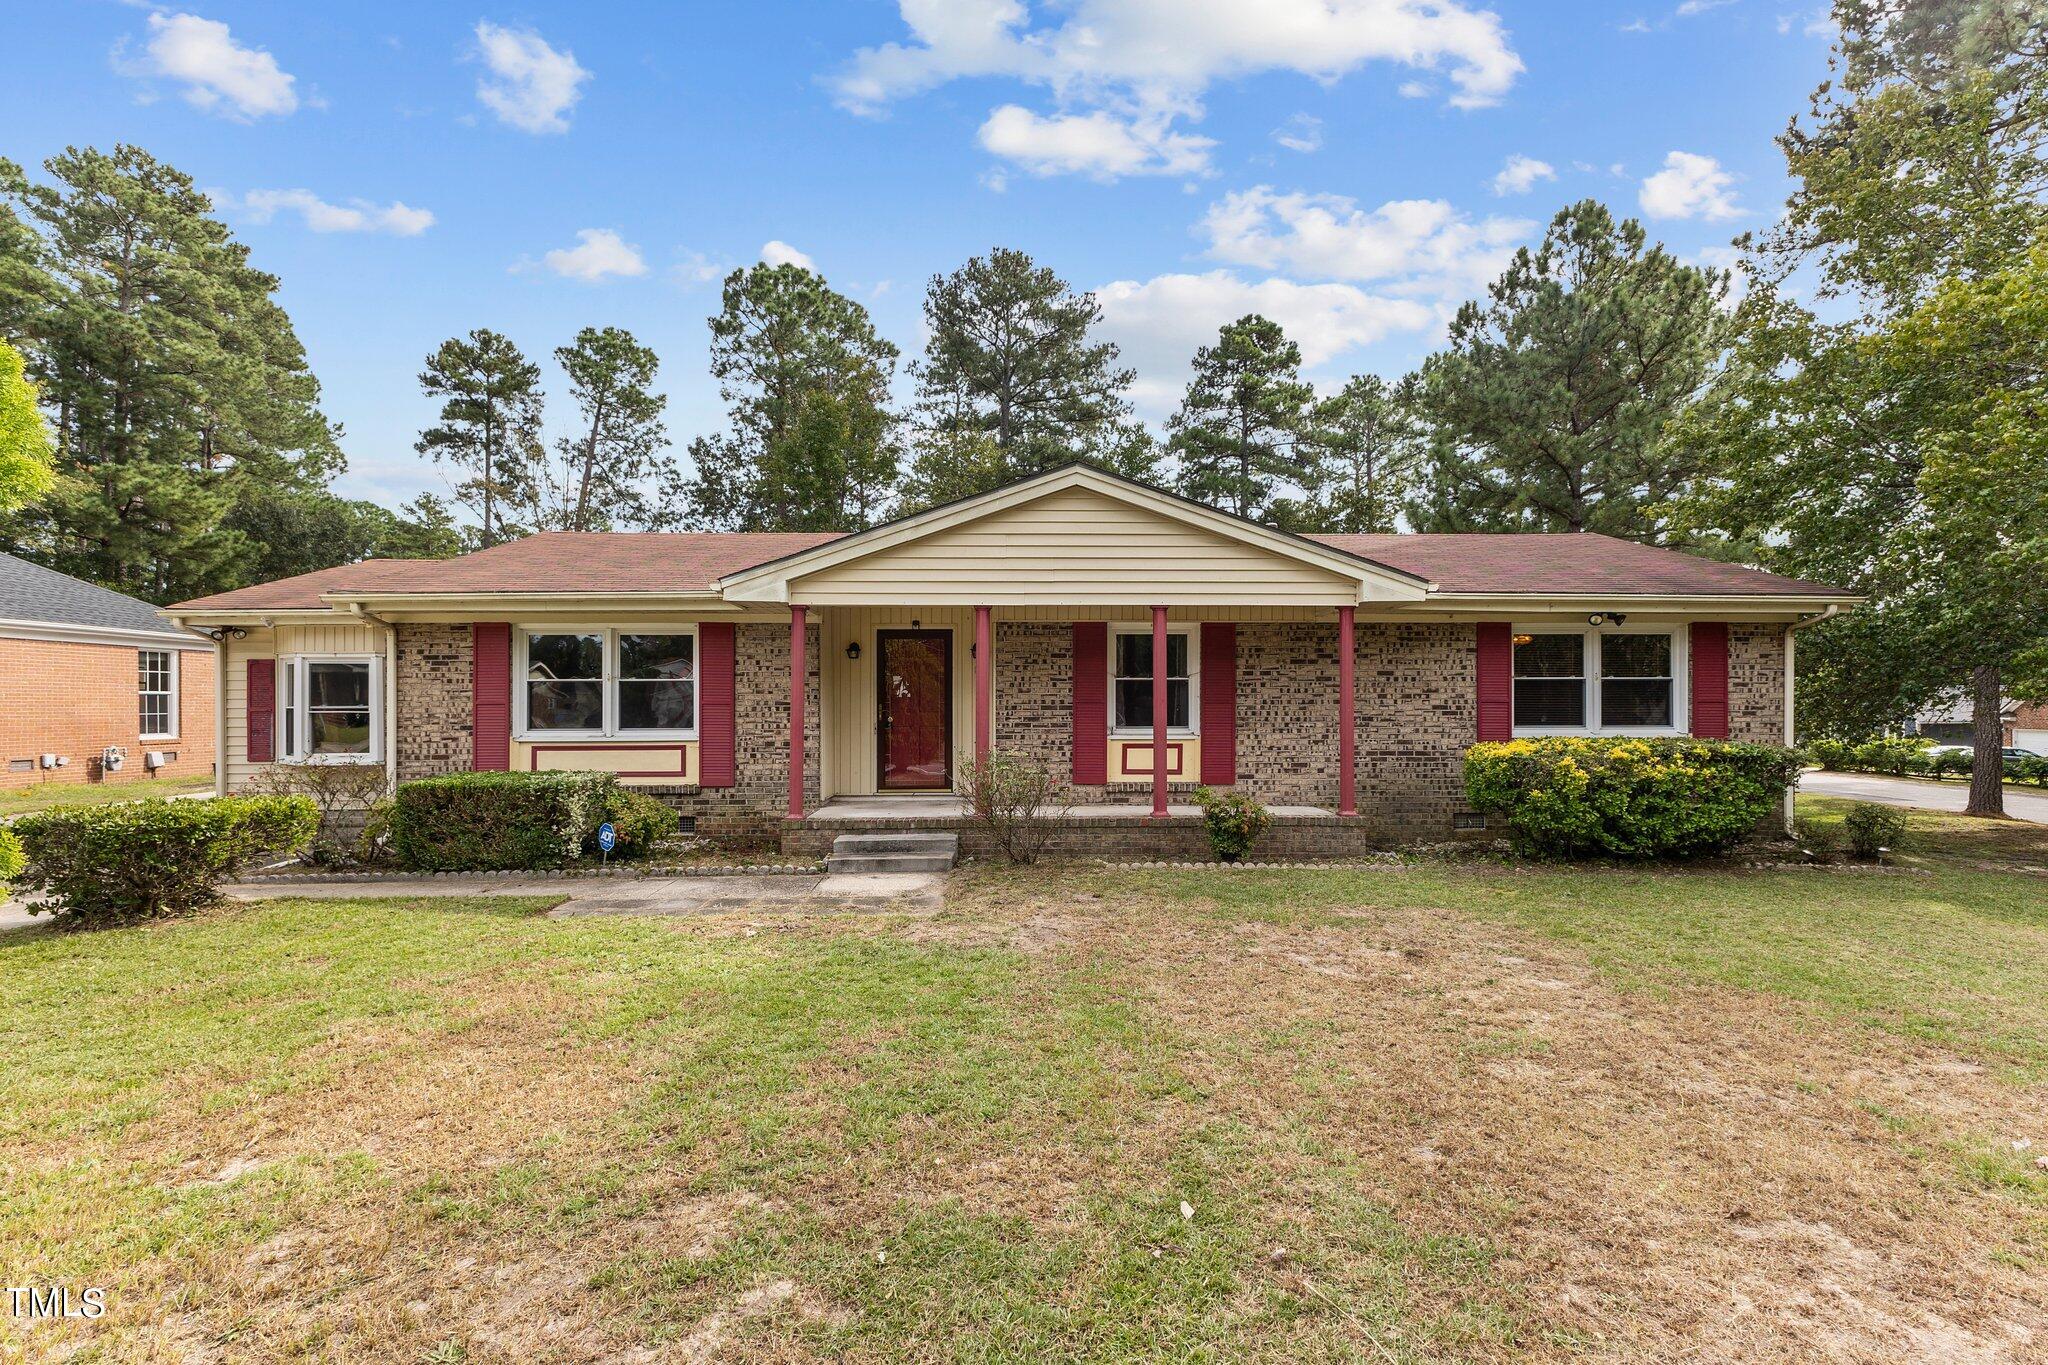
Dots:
pixel 1565 563
pixel 31 593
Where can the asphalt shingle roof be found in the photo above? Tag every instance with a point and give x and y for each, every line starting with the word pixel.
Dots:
pixel 30 592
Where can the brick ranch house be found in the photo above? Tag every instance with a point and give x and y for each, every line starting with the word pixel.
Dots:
pixel 803 684
pixel 100 688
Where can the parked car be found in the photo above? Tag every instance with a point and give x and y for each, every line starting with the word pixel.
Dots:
pixel 2013 756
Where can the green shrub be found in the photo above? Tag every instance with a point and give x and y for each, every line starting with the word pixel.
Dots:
pixel 1872 829
pixel 2034 770
pixel 138 860
pixel 1940 765
pixel 1831 754
pixel 639 821
pixel 10 857
pixel 1820 838
pixel 1234 822
pixel 1887 755
pixel 1628 798
pixel 498 822
pixel 1016 800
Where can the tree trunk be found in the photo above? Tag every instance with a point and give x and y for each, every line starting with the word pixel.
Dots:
pixel 1987 737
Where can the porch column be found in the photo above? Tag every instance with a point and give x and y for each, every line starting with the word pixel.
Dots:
pixel 1347 731
pixel 984 693
pixel 798 624
pixel 1159 713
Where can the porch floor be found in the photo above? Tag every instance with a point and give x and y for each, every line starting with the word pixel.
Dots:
pixel 885 809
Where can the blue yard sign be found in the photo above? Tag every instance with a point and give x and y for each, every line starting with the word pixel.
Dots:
pixel 607 837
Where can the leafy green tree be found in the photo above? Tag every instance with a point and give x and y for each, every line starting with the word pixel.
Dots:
pixel 489 428
pixel 1885 443
pixel 1010 357
pixel 1549 409
pixel 1363 449
pixel 620 443
pixel 287 533
pixel 25 472
pixel 172 377
pixel 806 382
pixel 1244 413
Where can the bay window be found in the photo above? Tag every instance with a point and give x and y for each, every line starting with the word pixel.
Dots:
pixel 602 682
pixel 1131 680
pixel 330 709
pixel 1604 681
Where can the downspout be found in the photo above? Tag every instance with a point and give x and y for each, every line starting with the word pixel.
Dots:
pixel 357 610
pixel 1791 655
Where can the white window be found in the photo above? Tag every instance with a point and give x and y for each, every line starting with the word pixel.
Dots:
pixel 332 709
pixel 156 673
pixel 596 682
pixel 1611 680
pixel 1130 681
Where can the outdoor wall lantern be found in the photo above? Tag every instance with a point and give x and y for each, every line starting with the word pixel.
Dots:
pixel 1612 618
pixel 853 650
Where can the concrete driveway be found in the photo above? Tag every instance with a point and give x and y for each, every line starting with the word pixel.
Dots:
pixel 1907 791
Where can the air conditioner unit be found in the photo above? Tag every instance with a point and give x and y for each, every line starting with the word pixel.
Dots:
pixel 111 758
pixel 152 760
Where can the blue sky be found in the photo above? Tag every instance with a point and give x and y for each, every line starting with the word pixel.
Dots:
pixel 1354 168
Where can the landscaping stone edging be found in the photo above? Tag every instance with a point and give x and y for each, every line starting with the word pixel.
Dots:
pixel 546 874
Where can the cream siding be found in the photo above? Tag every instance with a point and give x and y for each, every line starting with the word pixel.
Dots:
pixel 851 704
pixel 271 644
pixel 1074 547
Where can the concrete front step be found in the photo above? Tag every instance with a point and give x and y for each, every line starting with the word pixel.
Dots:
pixel 911 851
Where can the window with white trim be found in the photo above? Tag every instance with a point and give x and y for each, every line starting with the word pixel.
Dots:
pixel 331 708
pixel 1130 682
pixel 156 674
pixel 601 682
pixel 1603 681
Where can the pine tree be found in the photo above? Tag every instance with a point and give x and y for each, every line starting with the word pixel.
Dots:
pixel 806 382
pixel 489 428
pixel 1364 446
pixel 1549 409
pixel 1010 358
pixel 620 443
pixel 1245 412
pixel 172 378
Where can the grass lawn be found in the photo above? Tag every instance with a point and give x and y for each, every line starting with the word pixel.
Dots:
pixel 1434 1112
pixel 49 795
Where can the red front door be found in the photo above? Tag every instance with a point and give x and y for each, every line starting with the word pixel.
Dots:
pixel 915 673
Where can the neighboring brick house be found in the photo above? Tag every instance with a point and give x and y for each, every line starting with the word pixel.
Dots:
pixel 804 682
pixel 99 687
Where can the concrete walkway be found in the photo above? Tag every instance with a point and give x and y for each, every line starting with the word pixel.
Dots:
pixel 1906 791
pixel 811 894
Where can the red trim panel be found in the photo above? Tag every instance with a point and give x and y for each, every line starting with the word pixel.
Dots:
pixel 1710 679
pixel 1496 681
pixel 490 697
pixel 717 745
pixel 1091 703
pixel 1219 703
pixel 262 708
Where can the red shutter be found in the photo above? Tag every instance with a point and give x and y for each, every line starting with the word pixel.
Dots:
pixel 262 709
pixel 1710 679
pixel 1091 703
pixel 1219 703
pixel 1496 681
pixel 490 697
pixel 716 747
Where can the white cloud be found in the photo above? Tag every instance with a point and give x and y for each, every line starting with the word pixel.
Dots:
pixel 598 254
pixel 1519 174
pixel 1302 133
pixel 694 267
pixel 1690 186
pixel 1141 64
pixel 531 85
pixel 1141 46
pixel 1424 246
pixel 358 215
pixel 1158 323
pixel 219 74
pixel 1696 7
pixel 1100 144
pixel 779 252
pixel 1415 90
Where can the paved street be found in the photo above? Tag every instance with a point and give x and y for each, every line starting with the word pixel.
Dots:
pixel 1906 791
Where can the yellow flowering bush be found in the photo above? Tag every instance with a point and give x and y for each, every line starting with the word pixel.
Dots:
pixel 1571 797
